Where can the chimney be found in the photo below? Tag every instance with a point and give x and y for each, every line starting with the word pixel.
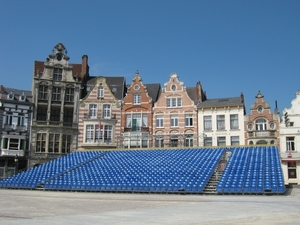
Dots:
pixel 242 97
pixel 84 66
pixel 198 90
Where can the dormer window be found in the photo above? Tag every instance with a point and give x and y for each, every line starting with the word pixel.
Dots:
pixel 10 96
pixel 100 91
pixel 22 98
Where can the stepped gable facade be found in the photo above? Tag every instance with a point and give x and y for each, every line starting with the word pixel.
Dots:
pixel 137 113
pixel 175 115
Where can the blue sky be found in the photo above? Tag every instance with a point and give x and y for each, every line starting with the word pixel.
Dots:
pixel 229 46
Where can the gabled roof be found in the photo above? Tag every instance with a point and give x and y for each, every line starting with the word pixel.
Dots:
pixel 219 102
pixel 153 91
pixel 192 93
pixel 116 85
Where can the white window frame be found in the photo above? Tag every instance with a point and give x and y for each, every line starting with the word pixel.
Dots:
pixel 221 141
pixel 290 143
pixel 174 120
pixel 235 140
pixel 174 102
pixel 234 121
pixel 189 120
pixel 159 121
pixel 220 122
pixel 100 91
pixel 93 111
pixel 207 122
pixel 137 99
pixel 106 111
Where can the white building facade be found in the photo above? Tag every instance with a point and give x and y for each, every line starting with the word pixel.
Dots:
pixel 290 142
pixel 221 122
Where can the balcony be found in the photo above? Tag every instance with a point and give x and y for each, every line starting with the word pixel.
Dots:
pixel 8 152
pixel 290 155
pixel 142 129
pixel 14 127
pixel 261 133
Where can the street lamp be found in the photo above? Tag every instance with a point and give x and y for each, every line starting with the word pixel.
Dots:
pixel 17 162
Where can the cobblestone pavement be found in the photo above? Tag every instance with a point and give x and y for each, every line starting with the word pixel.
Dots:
pixel 49 207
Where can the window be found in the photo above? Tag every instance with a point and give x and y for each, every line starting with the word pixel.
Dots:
pixel 221 141
pixel 106 111
pixel 159 121
pixel 159 141
pixel 173 102
pixel 290 143
pixel 92 111
pixel 57 74
pixel 53 146
pixel 94 135
pixel 55 114
pixel 207 123
pixel 8 118
pixel 41 113
pixel 107 133
pixel 235 140
pixel 292 170
pixel 100 92
pixel 21 120
pixel 174 120
pixel 66 143
pixel 136 121
pixel 68 117
pixel 136 99
pixel 261 124
pixel 56 92
pixel 41 142
pixel 43 92
pixel 188 140
pixel 173 87
pixel 220 122
pixel 208 141
pixel 89 135
pixel 234 122
pixel 13 144
pixel 174 141
pixel 69 96
pixel 189 120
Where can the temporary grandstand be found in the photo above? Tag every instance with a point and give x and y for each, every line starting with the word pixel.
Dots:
pixel 240 170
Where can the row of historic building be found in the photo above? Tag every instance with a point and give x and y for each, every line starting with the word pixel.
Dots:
pixel 69 110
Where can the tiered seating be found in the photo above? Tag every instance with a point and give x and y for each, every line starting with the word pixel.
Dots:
pixel 166 171
pixel 249 170
pixel 39 175
pixel 252 170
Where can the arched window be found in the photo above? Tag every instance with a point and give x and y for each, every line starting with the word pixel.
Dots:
pixel 261 124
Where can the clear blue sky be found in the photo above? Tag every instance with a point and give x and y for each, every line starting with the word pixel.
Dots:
pixel 229 46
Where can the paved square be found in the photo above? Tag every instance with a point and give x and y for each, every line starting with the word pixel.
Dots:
pixel 50 207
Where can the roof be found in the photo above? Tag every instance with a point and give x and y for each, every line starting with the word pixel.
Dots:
pixel 116 85
pixel 17 93
pixel 153 91
pixel 192 93
pixel 40 65
pixel 218 102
